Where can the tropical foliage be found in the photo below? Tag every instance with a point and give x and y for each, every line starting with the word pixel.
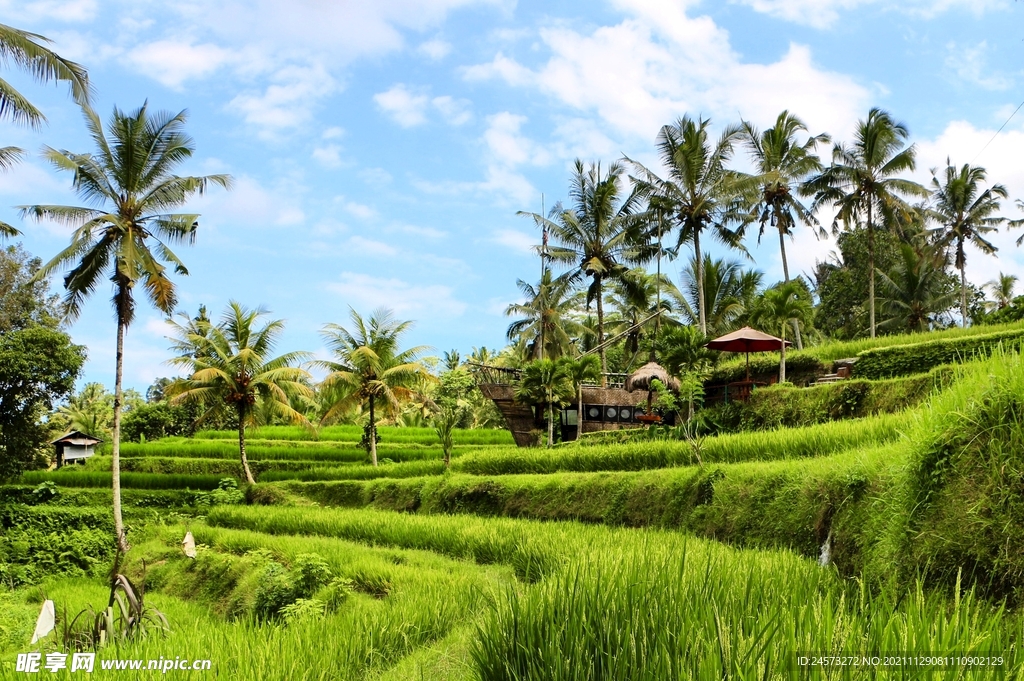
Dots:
pixel 125 230
pixel 369 367
pixel 231 367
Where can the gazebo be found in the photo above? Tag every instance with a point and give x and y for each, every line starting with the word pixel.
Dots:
pixel 643 379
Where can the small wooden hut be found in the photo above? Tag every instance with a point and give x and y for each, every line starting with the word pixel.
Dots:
pixel 74 447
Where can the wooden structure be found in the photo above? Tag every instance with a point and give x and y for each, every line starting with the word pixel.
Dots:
pixel 604 408
pixel 74 447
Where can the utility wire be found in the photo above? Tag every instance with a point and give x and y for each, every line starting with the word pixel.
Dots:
pixel 997 132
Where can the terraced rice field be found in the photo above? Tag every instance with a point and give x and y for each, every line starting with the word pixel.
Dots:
pixel 732 558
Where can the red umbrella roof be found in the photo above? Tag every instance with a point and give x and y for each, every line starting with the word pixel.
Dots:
pixel 746 340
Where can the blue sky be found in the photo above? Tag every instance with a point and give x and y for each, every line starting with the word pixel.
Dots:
pixel 380 150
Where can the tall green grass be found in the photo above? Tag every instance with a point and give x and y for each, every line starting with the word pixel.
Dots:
pixel 786 443
pixel 529 548
pixel 833 350
pixel 277 451
pixel 70 478
pixel 653 612
pixel 410 469
pixel 177 465
pixel 425 436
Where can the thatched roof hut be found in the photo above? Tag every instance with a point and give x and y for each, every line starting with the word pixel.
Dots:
pixel 641 378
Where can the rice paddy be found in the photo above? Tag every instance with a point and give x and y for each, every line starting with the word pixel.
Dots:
pixel 746 556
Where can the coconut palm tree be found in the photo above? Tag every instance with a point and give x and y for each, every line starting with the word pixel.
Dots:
pixel 231 369
pixel 546 316
pixel 370 368
pixel 917 289
pixel 1001 288
pixel 863 184
pixel 779 307
pixel 124 232
pixel 599 236
pixel 548 383
pixel 636 298
pixel 965 214
pixel 729 290
pixel 29 52
pixel 781 165
pixel 700 191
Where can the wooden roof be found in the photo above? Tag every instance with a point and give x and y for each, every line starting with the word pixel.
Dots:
pixel 77 437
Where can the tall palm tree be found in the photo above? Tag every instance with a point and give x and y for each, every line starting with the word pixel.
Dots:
pixel 700 191
pixel 1001 289
pixel 782 164
pixel 124 233
pixel 863 183
pixel 728 293
pixel 917 289
pixel 965 214
pixel 546 316
pixel 231 369
pixel 600 235
pixel 370 368
pixel 636 298
pixel 29 52
pixel 779 307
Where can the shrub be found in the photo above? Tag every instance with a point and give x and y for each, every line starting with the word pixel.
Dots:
pixel 274 591
pixel 917 358
pixel 311 574
pixel 801 367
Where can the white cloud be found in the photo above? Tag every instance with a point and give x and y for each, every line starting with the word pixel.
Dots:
pixel 365 292
pixel 360 210
pixel 402 105
pixel 416 230
pixel 507 148
pixel 970 65
pixel 289 100
pixel 332 133
pixel 454 111
pixel 824 13
pixel 408 107
pixel 362 246
pixel 648 69
pixel 172 62
pixel 62 10
pixel 514 240
pixel 341 30
pixel 329 156
pixel 375 176
pixel 250 205
pixel 435 50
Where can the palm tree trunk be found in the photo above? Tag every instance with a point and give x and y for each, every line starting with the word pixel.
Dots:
pixel 701 315
pixel 373 434
pixel 785 274
pixel 782 362
pixel 241 445
pixel 551 424
pixel 600 333
pixel 579 413
pixel 963 281
pixel 115 445
pixel 871 273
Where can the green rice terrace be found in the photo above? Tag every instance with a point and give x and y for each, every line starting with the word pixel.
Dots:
pixel 653 553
